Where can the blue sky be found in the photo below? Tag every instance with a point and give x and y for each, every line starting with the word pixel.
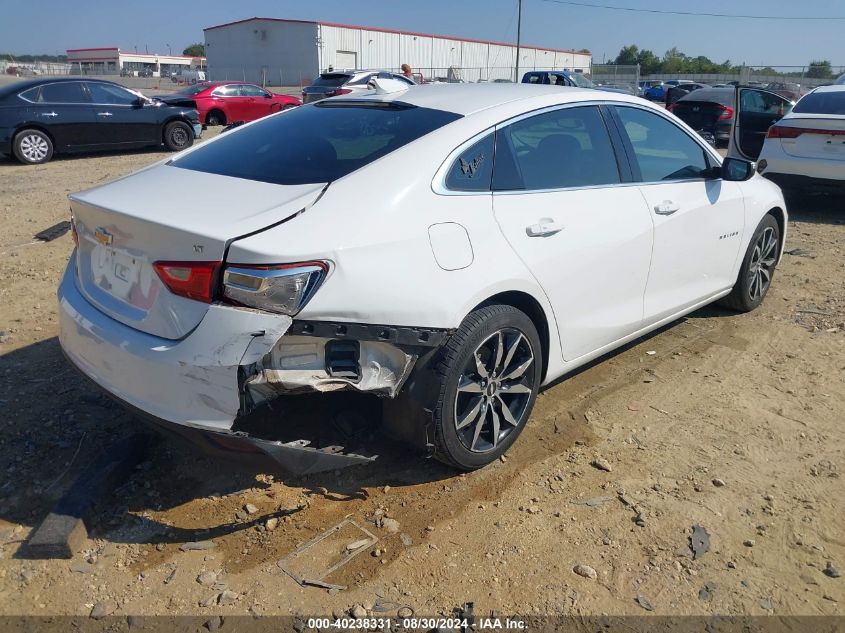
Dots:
pixel 50 26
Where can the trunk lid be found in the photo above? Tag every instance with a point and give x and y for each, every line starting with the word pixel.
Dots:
pixel 823 137
pixel 167 214
pixel 699 115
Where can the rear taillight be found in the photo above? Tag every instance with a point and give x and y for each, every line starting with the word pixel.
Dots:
pixel 727 113
pixel 281 288
pixel 194 280
pixel 670 107
pixel 341 91
pixel 783 131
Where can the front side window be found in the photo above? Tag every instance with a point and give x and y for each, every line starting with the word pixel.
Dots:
pixel 663 151
pixel 62 92
pixel 112 95
pixel 247 90
pixel 473 169
pixel 569 147
pixel 316 143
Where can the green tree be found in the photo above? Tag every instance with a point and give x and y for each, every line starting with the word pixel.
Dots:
pixel 195 50
pixel 674 61
pixel 649 62
pixel 820 70
pixel 627 56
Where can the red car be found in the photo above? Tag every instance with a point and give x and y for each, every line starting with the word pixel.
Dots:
pixel 223 102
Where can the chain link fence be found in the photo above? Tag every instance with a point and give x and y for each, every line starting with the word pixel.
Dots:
pixel 805 77
pixel 616 76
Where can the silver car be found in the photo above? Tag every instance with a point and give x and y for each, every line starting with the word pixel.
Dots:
pixel 334 83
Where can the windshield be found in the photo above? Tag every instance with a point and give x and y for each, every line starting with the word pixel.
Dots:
pixel 315 143
pixel 821 103
pixel 332 80
pixel 190 91
pixel 581 81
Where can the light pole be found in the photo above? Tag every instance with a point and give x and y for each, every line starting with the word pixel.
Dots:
pixel 169 52
pixel 518 36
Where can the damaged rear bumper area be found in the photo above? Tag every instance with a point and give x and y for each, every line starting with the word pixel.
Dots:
pixel 235 360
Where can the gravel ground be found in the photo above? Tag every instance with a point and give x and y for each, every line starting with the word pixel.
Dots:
pixel 728 422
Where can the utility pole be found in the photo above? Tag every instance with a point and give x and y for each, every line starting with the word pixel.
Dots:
pixel 518 37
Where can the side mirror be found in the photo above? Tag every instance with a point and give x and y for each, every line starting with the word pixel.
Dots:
pixel 139 102
pixel 737 169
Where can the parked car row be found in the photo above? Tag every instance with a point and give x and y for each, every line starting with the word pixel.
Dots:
pixel 43 117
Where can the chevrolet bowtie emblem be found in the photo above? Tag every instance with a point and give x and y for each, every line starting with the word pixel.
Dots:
pixel 102 236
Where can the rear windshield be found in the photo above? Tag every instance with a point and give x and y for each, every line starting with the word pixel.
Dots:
pixel 190 91
pixel 821 103
pixel 333 80
pixel 315 143
pixel 712 95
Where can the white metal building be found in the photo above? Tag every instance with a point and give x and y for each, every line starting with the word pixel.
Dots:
pixel 111 60
pixel 293 52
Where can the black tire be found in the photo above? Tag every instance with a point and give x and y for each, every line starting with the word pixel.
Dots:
pixel 32 147
pixel 472 447
pixel 178 135
pixel 289 106
pixel 758 267
pixel 215 117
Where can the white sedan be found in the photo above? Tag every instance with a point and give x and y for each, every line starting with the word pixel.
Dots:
pixel 805 150
pixel 450 248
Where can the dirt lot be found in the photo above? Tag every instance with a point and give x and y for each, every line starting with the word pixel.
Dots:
pixel 733 423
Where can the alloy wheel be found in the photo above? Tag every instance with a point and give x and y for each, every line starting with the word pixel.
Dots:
pixel 34 147
pixel 763 260
pixel 494 390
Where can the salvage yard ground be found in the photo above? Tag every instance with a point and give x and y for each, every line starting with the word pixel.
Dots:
pixel 729 422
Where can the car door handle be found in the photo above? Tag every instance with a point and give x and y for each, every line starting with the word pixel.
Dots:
pixel 48 114
pixel 104 114
pixel 667 207
pixel 546 226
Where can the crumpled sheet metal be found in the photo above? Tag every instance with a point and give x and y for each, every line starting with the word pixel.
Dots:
pixel 296 364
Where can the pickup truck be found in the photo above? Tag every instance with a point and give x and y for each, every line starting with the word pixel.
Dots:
pixel 564 78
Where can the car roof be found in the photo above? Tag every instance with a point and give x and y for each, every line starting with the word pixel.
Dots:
pixel 466 99
pixel 718 95
pixel 831 88
pixel 19 86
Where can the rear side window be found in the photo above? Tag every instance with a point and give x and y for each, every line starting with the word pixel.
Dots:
pixel 473 169
pixel 225 91
pixel 569 147
pixel 62 92
pixel 821 103
pixel 663 151
pixel 315 143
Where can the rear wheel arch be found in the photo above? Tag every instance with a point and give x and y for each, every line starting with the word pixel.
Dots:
pixel 780 217
pixel 35 126
pixel 533 309
pixel 217 113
